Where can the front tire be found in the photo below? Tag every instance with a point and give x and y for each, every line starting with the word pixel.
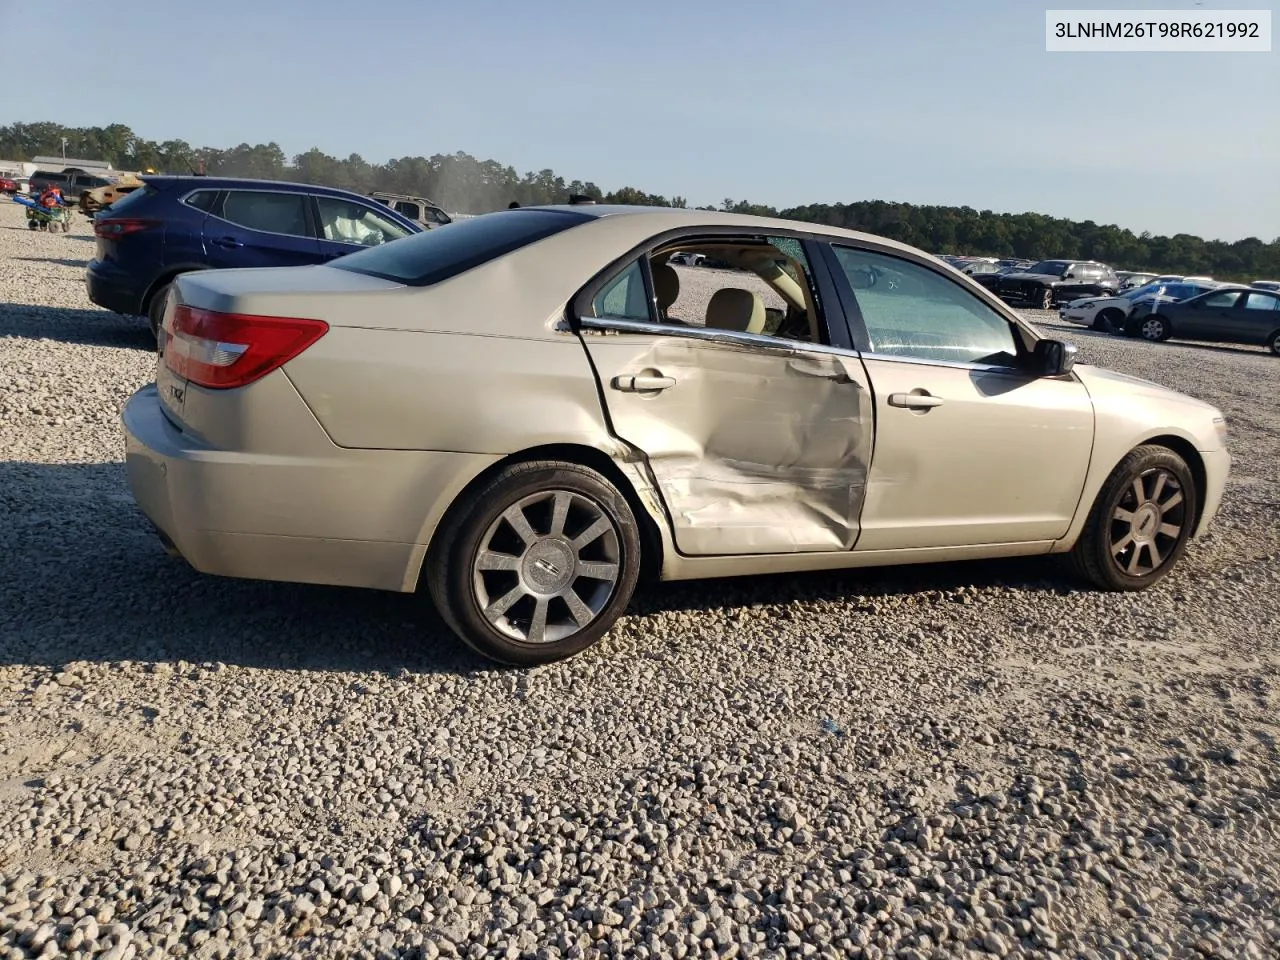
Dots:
pixel 538 564
pixel 1154 328
pixel 1140 524
pixel 1108 320
pixel 1046 300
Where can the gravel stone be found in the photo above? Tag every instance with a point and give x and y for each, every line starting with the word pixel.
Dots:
pixel 945 761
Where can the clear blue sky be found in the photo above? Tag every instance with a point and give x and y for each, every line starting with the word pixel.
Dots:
pixel 926 101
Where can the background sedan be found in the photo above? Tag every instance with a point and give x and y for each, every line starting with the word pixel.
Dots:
pixel 1245 315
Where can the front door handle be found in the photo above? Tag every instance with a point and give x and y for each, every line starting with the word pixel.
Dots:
pixel 914 401
pixel 227 243
pixel 643 384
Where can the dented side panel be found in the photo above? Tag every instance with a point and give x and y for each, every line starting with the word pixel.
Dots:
pixel 754 449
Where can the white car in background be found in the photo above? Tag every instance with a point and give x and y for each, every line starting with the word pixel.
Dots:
pixel 1108 313
pixel 1266 284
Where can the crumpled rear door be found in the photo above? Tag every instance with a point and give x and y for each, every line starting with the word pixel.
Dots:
pixel 755 449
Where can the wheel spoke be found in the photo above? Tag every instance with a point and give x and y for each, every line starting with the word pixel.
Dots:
pixel 520 524
pixel 1123 515
pixel 1173 530
pixel 1156 559
pixel 1161 479
pixel 1172 502
pixel 1132 568
pixel 559 513
pixel 1118 547
pixel 490 560
pixel 582 614
pixel 593 532
pixel 538 625
pixel 1138 491
pixel 504 603
pixel 597 570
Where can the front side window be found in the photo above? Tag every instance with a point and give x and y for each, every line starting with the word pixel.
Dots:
pixel 266 211
pixel 1222 301
pixel 911 311
pixel 408 209
pixel 1261 301
pixel 346 221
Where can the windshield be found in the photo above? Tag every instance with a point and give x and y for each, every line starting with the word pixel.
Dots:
pixel 1053 268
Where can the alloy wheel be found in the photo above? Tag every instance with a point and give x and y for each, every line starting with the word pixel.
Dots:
pixel 547 566
pixel 1153 328
pixel 1147 522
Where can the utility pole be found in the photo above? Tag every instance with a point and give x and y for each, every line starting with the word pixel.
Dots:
pixel 64 148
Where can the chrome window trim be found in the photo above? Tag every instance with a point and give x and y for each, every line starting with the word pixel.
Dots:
pixel 648 328
pixel 618 325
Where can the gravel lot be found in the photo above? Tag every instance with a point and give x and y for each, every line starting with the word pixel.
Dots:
pixel 964 760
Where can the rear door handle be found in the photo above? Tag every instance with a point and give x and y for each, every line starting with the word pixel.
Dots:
pixel 914 401
pixel 227 243
pixel 643 384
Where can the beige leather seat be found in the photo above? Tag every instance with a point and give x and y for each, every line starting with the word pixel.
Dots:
pixel 736 309
pixel 666 284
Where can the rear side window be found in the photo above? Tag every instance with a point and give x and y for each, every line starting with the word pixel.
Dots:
pixel 202 200
pixel 436 255
pixel 266 211
pixel 410 210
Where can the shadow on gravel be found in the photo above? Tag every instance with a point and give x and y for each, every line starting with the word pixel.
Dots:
pixel 96 328
pixel 60 261
pixel 83 577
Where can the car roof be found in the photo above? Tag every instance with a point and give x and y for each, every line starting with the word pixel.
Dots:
pixel 659 219
pixel 223 183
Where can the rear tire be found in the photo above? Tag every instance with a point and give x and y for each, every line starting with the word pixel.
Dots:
pixel 155 310
pixel 1046 300
pixel 1274 343
pixel 1140 523
pixel 536 565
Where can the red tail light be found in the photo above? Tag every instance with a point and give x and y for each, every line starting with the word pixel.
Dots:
pixel 226 350
pixel 110 229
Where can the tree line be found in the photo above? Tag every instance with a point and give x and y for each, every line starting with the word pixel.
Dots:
pixel 461 182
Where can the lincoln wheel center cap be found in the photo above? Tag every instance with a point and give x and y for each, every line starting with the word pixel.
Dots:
pixel 548 566
pixel 1146 520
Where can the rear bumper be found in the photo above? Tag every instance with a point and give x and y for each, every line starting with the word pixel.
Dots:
pixel 113 289
pixel 357 518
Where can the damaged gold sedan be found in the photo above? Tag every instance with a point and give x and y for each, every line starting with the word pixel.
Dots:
pixel 530 411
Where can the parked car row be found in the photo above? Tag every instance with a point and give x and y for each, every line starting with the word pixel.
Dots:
pixel 1189 308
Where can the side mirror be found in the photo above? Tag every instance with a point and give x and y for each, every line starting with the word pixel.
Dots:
pixel 1053 358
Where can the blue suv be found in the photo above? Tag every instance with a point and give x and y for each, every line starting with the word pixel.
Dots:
pixel 173 225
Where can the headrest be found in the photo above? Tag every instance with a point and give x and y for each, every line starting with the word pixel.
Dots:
pixel 666 284
pixel 736 309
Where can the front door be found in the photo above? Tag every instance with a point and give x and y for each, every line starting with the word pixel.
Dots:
pixel 1207 318
pixel 758 444
pixel 970 447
